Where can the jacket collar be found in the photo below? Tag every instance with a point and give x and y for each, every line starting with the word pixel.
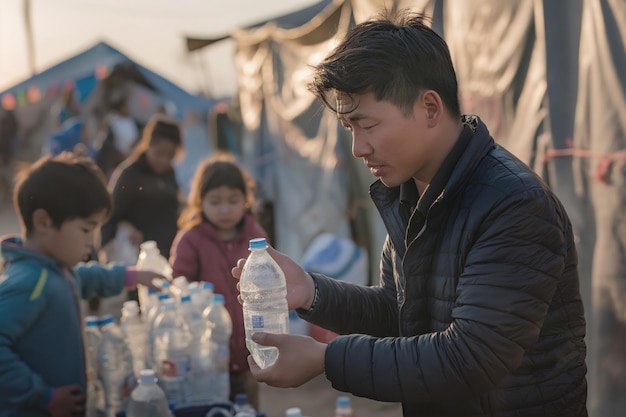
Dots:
pixel 476 148
pixel 12 250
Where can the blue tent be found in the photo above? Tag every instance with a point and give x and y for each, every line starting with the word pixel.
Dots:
pixel 82 69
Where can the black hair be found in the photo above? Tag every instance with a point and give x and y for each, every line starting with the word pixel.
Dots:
pixel 395 56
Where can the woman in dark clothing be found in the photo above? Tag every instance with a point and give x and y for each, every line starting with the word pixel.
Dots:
pixel 146 196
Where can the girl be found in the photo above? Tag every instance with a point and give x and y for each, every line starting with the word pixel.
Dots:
pixel 215 229
pixel 146 196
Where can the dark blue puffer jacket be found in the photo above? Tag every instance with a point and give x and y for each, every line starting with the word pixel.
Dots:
pixel 478 312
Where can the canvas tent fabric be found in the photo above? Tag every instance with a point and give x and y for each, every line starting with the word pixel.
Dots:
pixel 82 70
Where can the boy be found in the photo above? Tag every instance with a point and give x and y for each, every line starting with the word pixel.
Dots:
pixel 61 203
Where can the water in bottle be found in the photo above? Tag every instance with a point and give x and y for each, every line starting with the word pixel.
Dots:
pixel 199 383
pixel 95 405
pixel 172 341
pixel 116 365
pixel 264 291
pixel 221 328
pixel 148 399
pixel 136 334
pixel 153 313
pixel 179 287
pixel 344 407
pixel 150 259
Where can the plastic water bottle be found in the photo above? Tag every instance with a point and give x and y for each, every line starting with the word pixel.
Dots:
pixel 172 341
pixel 199 383
pixel 221 329
pixel 179 288
pixel 150 320
pixel 95 405
pixel 264 291
pixel 242 406
pixel 150 259
pixel 344 407
pixel 148 399
pixel 293 412
pixel 125 252
pixel 136 334
pixel 116 364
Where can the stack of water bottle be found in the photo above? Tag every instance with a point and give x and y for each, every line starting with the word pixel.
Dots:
pixel 180 341
pixel 185 343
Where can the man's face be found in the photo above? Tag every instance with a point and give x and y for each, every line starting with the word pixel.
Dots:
pixel 394 146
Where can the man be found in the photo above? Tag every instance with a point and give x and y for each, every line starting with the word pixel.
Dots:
pixel 478 311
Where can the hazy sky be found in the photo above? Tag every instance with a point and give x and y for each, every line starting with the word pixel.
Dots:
pixel 148 31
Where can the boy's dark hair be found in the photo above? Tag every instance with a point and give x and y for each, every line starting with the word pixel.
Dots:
pixel 395 56
pixel 66 186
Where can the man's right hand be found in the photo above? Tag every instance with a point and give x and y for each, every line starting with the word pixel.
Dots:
pixel 300 286
pixel 68 400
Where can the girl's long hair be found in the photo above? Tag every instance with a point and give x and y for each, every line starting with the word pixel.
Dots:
pixel 220 169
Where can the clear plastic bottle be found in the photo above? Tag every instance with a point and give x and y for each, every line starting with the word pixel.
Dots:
pixel 116 365
pixel 293 412
pixel 125 252
pixel 148 399
pixel 95 405
pixel 221 329
pixel 172 341
pixel 198 385
pixel 344 407
pixel 242 406
pixel 264 291
pixel 150 319
pixel 179 288
pixel 150 259
pixel 136 333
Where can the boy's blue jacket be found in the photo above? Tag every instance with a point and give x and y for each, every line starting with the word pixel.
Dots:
pixel 41 345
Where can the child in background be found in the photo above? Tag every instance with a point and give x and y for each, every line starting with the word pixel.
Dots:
pixel 215 229
pixel 61 202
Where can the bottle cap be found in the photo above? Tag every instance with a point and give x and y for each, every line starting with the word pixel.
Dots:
pixel 241 399
pixel 293 412
pixel 107 319
pixel 163 296
pixel 259 243
pixel 207 285
pixel 185 299
pixel 343 401
pixel 146 376
pixel 218 298
pixel 148 244
pixel 92 321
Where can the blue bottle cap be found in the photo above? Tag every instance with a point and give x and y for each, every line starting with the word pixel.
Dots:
pixel 107 319
pixel 185 298
pixel 92 321
pixel 241 398
pixel 207 285
pixel 218 298
pixel 259 243
pixel 343 401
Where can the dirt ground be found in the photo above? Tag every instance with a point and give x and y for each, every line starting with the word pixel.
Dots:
pixel 316 398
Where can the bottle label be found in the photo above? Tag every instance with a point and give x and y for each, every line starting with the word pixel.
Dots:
pixel 258 322
pixel 176 366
